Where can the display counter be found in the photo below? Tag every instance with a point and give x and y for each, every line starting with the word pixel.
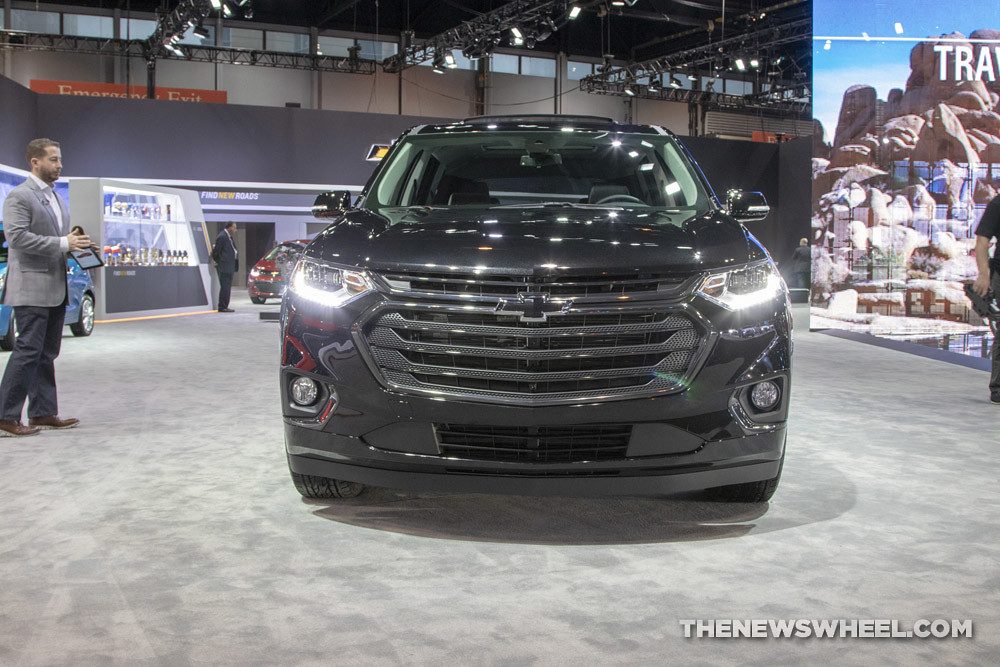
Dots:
pixel 154 244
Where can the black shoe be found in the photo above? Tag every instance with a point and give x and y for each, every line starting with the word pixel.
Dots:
pixel 995 397
pixel 226 310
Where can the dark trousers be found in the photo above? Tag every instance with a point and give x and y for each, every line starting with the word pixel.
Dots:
pixel 995 377
pixel 225 287
pixel 31 371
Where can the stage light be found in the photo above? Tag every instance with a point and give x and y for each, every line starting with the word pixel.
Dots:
pixel 740 65
pixel 516 32
pixel 754 63
pixel 899 28
pixel 674 83
pixel 216 4
pixel 575 11
pixel 201 33
pixel 629 91
pixel 227 11
pixel 449 60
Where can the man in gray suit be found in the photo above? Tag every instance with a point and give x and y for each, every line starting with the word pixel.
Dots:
pixel 35 223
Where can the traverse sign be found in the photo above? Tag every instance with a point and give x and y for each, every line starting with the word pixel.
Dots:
pixel 118 90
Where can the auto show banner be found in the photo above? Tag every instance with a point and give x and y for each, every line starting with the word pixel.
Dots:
pixel 908 95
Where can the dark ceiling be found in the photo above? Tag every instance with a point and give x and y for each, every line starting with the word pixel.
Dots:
pixel 648 29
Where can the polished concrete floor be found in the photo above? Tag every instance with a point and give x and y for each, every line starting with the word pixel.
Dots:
pixel 165 530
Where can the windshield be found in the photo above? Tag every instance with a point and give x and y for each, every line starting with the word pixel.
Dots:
pixel 275 252
pixel 543 168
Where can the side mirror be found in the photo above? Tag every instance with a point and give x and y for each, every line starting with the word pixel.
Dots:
pixel 747 206
pixel 331 204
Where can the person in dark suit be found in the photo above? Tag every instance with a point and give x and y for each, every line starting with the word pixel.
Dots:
pixel 801 264
pixel 35 224
pixel 226 263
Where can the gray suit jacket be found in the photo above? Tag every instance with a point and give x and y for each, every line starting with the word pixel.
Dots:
pixel 36 265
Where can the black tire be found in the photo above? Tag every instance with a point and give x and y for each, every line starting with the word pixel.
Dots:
pixel 8 339
pixel 324 487
pixel 257 299
pixel 85 326
pixel 749 492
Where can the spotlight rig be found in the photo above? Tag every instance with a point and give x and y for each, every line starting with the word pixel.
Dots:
pixel 521 22
pixel 188 15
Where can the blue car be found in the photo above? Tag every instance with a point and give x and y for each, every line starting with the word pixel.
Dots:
pixel 79 309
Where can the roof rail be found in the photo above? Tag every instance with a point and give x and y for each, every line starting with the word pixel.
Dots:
pixel 539 117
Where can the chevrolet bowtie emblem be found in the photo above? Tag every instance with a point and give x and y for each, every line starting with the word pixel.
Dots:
pixel 533 306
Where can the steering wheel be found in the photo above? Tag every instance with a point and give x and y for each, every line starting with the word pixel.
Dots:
pixel 622 199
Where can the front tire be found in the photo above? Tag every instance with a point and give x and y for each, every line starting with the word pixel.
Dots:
pixel 748 492
pixel 85 326
pixel 310 486
pixel 257 299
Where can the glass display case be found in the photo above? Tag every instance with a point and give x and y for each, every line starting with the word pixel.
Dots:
pixel 144 228
pixel 154 244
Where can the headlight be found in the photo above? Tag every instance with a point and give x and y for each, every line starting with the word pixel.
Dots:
pixel 254 272
pixel 327 285
pixel 744 287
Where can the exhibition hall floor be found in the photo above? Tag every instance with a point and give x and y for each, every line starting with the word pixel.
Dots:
pixel 165 529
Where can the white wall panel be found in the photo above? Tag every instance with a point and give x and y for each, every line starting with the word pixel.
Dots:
pixel 510 92
pixel 448 95
pixel 28 65
pixel 670 115
pixel 265 86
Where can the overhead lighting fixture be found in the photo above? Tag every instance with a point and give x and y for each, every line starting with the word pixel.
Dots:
pixel 618 3
pixel 754 63
pixel 216 4
pixel 740 65
pixel 629 91
pixel 449 60
pixel 517 41
pixel 899 28
pixel 516 32
pixel 692 77
pixel 227 11
pixel 674 82
pixel 828 45
pixel 201 33
pixel 575 11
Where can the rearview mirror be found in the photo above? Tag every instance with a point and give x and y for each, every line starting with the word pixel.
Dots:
pixel 747 206
pixel 332 204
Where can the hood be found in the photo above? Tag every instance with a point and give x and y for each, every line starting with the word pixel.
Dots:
pixel 265 265
pixel 532 240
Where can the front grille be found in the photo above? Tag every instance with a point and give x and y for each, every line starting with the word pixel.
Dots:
pixel 572 287
pixel 542 444
pixel 497 352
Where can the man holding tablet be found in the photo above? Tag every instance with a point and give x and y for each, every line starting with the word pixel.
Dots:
pixel 35 220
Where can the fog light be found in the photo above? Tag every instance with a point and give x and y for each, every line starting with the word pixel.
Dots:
pixel 304 391
pixel 765 395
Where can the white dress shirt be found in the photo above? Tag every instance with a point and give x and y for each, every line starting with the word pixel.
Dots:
pixel 51 197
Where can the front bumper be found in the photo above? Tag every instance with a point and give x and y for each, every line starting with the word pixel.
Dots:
pixel 703 435
pixel 266 288
pixel 730 461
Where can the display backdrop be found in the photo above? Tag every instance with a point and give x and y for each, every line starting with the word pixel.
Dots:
pixel 908 94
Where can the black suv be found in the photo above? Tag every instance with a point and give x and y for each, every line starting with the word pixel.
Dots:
pixel 537 305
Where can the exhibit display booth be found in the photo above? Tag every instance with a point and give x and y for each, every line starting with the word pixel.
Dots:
pixel 908 164
pixel 154 244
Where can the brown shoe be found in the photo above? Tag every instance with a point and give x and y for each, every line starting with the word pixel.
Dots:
pixel 15 429
pixel 53 421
